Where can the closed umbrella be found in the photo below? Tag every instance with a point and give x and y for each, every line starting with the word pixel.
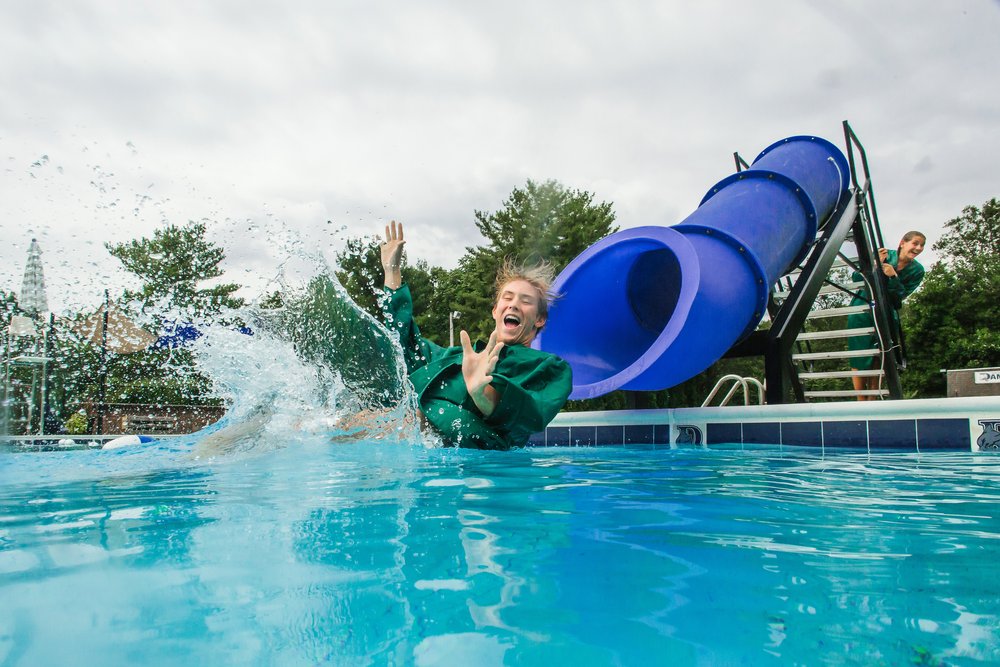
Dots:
pixel 32 298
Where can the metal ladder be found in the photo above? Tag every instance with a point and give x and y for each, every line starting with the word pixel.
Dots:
pixel 786 346
pixel 806 359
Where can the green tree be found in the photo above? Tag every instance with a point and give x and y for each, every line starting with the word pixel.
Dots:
pixel 951 322
pixel 172 265
pixel 539 221
pixel 8 307
pixel 359 270
pixel 545 221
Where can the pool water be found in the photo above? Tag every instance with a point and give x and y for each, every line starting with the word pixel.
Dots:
pixel 380 553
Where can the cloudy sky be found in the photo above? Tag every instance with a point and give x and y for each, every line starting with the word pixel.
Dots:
pixel 268 119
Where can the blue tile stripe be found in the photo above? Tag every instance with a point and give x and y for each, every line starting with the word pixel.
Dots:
pixel 874 434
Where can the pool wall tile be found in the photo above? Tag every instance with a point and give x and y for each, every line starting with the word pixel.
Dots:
pixel 610 435
pixel 892 434
pixel 942 434
pixel 845 434
pixel 762 433
pixel 557 436
pixel 536 440
pixel 641 434
pixel 802 434
pixel 661 434
pixel 719 434
pixel 582 436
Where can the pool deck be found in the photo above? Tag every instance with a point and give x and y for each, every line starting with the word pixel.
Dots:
pixel 918 425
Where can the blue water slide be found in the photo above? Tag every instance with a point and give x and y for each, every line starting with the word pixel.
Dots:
pixel 649 307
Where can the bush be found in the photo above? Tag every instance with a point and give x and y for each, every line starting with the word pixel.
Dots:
pixel 77 423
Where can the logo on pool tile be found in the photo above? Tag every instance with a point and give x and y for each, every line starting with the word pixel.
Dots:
pixel 990 438
pixel 688 435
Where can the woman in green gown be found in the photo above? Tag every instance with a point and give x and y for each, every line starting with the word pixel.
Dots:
pixel 492 396
pixel 904 274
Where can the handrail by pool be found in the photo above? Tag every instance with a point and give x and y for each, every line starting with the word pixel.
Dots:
pixel 738 382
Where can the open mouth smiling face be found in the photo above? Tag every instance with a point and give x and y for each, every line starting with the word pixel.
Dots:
pixel 516 313
pixel 912 248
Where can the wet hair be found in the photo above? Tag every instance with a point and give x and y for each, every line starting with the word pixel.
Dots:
pixel 540 276
pixel 909 236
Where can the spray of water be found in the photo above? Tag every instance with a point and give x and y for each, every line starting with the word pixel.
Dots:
pixel 315 364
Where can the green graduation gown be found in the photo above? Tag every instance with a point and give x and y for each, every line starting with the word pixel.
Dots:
pixel 900 286
pixel 533 385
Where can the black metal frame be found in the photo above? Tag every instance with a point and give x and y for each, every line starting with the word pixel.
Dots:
pixel 891 334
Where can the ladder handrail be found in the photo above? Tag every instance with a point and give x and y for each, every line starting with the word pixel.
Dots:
pixel 892 340
pixel 737 383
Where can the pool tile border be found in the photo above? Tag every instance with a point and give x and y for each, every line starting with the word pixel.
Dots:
pixel 847 434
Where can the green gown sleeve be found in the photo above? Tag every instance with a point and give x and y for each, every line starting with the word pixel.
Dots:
pixel 417 350
pixel 899 286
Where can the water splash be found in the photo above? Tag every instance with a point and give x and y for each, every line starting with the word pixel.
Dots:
pixel 317 364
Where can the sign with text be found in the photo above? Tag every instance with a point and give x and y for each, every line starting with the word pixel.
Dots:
pixel 988 377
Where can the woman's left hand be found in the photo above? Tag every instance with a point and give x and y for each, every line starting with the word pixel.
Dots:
pixel 889 270
pixel 477 369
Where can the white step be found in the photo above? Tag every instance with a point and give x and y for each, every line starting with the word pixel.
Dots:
pixel 825 289
pixel 834 312
pixel 823 375
pixel 836 354
pixel 836 333
pixel 838 263
pixel 846 393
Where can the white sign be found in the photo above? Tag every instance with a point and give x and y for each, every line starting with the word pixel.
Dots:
pixel 987 377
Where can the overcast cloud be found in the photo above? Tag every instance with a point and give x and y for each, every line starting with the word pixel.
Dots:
pixel 269 119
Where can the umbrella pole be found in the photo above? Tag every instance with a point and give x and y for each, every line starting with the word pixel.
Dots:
pixel 102 392
pixel 46 351
pixel 6 388
pixel 46 371
pixel 31 401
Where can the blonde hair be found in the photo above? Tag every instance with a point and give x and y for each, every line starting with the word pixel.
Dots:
pixel 539 276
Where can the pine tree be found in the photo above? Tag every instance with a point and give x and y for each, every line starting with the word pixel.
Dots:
pixel 172 265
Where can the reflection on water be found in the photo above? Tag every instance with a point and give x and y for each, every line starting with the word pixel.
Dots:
pixel 373 553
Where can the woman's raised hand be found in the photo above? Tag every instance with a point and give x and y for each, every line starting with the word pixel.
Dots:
pixel 392 254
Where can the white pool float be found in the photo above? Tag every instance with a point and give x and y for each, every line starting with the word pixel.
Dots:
pixel 127 441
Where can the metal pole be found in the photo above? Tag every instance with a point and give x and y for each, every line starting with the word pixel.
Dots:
pixel 6 387
pixel 102 392
pixel 34 386
pixel 47 355
pixel 452 316
pixel 41 402
pixel 31 400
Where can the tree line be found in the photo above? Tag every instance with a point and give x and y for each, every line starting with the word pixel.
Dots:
pixel 950 322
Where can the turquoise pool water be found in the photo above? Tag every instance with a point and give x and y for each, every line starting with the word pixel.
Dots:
pixel 377 553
